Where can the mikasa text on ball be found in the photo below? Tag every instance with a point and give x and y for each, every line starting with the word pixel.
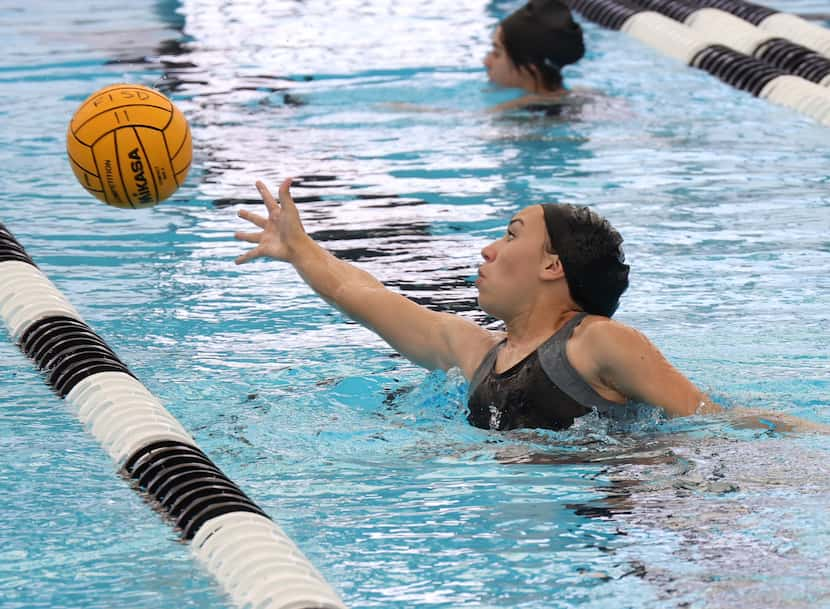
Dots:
pixel 129 146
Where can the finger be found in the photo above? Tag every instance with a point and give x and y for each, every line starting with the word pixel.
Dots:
pixel 268 199
pixel 249 237
pixel 252 217
pixel 248 256
pixel 286 201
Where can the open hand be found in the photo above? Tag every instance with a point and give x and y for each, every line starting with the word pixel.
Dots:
pixel 281 231
pixel 777 421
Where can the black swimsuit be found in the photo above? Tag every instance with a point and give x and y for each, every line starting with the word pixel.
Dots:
pixel 541 391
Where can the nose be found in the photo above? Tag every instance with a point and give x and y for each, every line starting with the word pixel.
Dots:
pixel 487 61
pixel 488 253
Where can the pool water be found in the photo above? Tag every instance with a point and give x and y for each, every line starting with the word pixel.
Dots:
pixel 365 460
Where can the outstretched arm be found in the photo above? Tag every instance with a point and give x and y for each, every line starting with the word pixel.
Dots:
pixel 430 339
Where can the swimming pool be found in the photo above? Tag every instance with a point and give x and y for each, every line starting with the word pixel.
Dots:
pixel 363 459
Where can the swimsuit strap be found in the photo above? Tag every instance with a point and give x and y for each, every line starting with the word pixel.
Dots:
pixel 489 361
pixel 485 366
pixel 554 361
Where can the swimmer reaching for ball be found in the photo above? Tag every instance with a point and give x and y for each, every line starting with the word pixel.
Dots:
pixel 554 279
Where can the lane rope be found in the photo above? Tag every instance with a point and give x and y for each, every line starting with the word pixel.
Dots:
pixel 236 541
pixel 758 60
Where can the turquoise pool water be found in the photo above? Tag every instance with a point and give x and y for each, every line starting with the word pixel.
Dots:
pixel 366 461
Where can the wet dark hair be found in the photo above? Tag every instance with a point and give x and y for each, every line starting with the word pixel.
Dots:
pixel 592 256
pixel 544 35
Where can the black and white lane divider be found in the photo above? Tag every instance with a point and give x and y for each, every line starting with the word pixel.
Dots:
pixel 780 24
pixel 249 554
pixel 741 35
pixel 749 58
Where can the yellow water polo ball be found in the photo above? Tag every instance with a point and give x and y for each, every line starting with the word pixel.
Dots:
pixel 129 146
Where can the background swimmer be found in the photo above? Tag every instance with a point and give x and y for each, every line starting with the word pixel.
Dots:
pixel 530 48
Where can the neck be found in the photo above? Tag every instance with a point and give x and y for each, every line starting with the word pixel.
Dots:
pixel 531 328
pixel 535 85
pixel 538 90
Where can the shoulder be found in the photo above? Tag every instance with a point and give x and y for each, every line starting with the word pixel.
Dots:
pixel 530 100
pixel 468 341
pixel 507 106
pixel 606 340
pixel 597 327
pixel 480 348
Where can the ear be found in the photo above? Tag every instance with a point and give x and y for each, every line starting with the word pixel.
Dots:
pixel 534 73
pixel 530 76
pixel 552 268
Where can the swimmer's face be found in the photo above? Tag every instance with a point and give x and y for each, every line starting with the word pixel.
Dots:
pixel 500 68
pixel 510 273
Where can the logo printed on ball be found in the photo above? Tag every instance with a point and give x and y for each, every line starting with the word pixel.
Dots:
pixel 111 181
pixel 125 94
pixel 143 195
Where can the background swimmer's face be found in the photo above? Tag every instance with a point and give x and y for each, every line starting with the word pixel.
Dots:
pixel 510 274
pixel 500 68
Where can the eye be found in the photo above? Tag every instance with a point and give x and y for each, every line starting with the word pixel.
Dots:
pixel 510 235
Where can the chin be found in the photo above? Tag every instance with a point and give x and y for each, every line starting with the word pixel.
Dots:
pixel 488 308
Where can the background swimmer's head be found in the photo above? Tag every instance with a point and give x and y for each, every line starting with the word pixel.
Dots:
pixel 541 38
pixel 592 257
